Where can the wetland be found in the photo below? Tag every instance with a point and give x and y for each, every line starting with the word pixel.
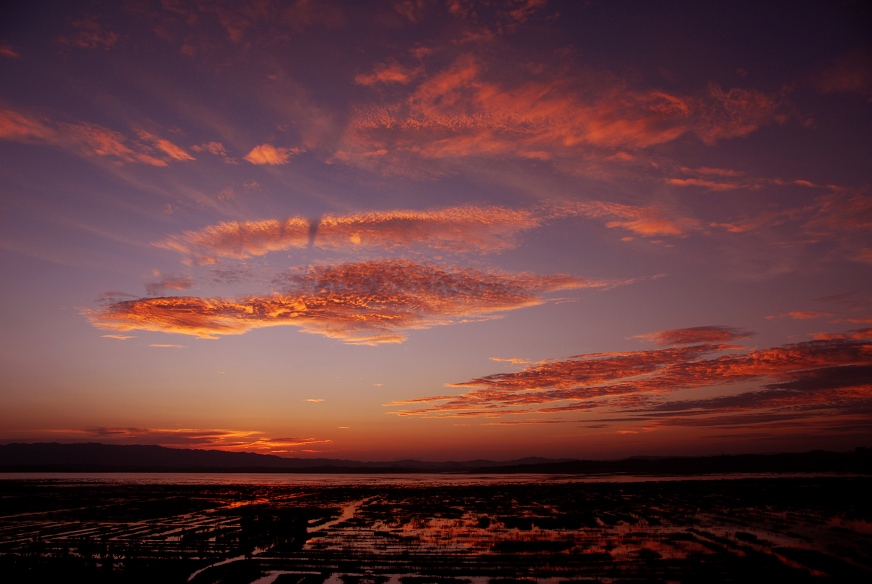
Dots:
pixel 415 531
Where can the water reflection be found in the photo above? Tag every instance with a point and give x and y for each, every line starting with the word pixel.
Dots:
pixel 424 533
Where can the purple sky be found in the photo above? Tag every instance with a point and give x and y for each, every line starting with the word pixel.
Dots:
pixel 440 230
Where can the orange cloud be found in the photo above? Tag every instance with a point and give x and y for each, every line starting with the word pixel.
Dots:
pixel 165 146
pixel 513 360
pixel 81 138
pixel 607 380
pixel 462 111
pixel 712 171
pixel 240 240
pixel 721 179
pixel 457 229
pixel 94 140
pixel 467 228
pixel 221 439
pixel 269 154
pixel 648 221
pixel 858 334
pixel 361 303
pixel 695 335
pixel 708 185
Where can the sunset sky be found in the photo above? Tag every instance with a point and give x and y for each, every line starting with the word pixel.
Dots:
pixel 441 230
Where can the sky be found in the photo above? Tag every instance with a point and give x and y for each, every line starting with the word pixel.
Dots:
pixel 441 230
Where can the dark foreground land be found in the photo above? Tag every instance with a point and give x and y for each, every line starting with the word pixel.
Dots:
pixel 762 529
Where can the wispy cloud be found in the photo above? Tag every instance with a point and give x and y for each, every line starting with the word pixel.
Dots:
pixel 840 213
pixel 800 314
pixel 190 25
pixel 222 439
pixel 645 221
pixel 215 149
pixel 240 240
pixel 6 50
pixel 173 151
pixel 835 224
pixel 362 303
pixel 512 360
pixel 465 110
pixel 168 283
pixel 462 229
pixel 851 72
pixel 502 17
pixel 722 179
pixel 86 139
pixel 524 422
pixel 90 33
pixel 388 72
pixel 637 382
pixel 467 228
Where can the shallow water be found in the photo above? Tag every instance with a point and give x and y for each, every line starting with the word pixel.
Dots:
pixel 437 529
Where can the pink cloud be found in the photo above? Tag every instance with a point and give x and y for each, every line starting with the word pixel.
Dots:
pixel 695 335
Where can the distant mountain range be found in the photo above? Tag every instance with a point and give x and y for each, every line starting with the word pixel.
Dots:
pixel 93 457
